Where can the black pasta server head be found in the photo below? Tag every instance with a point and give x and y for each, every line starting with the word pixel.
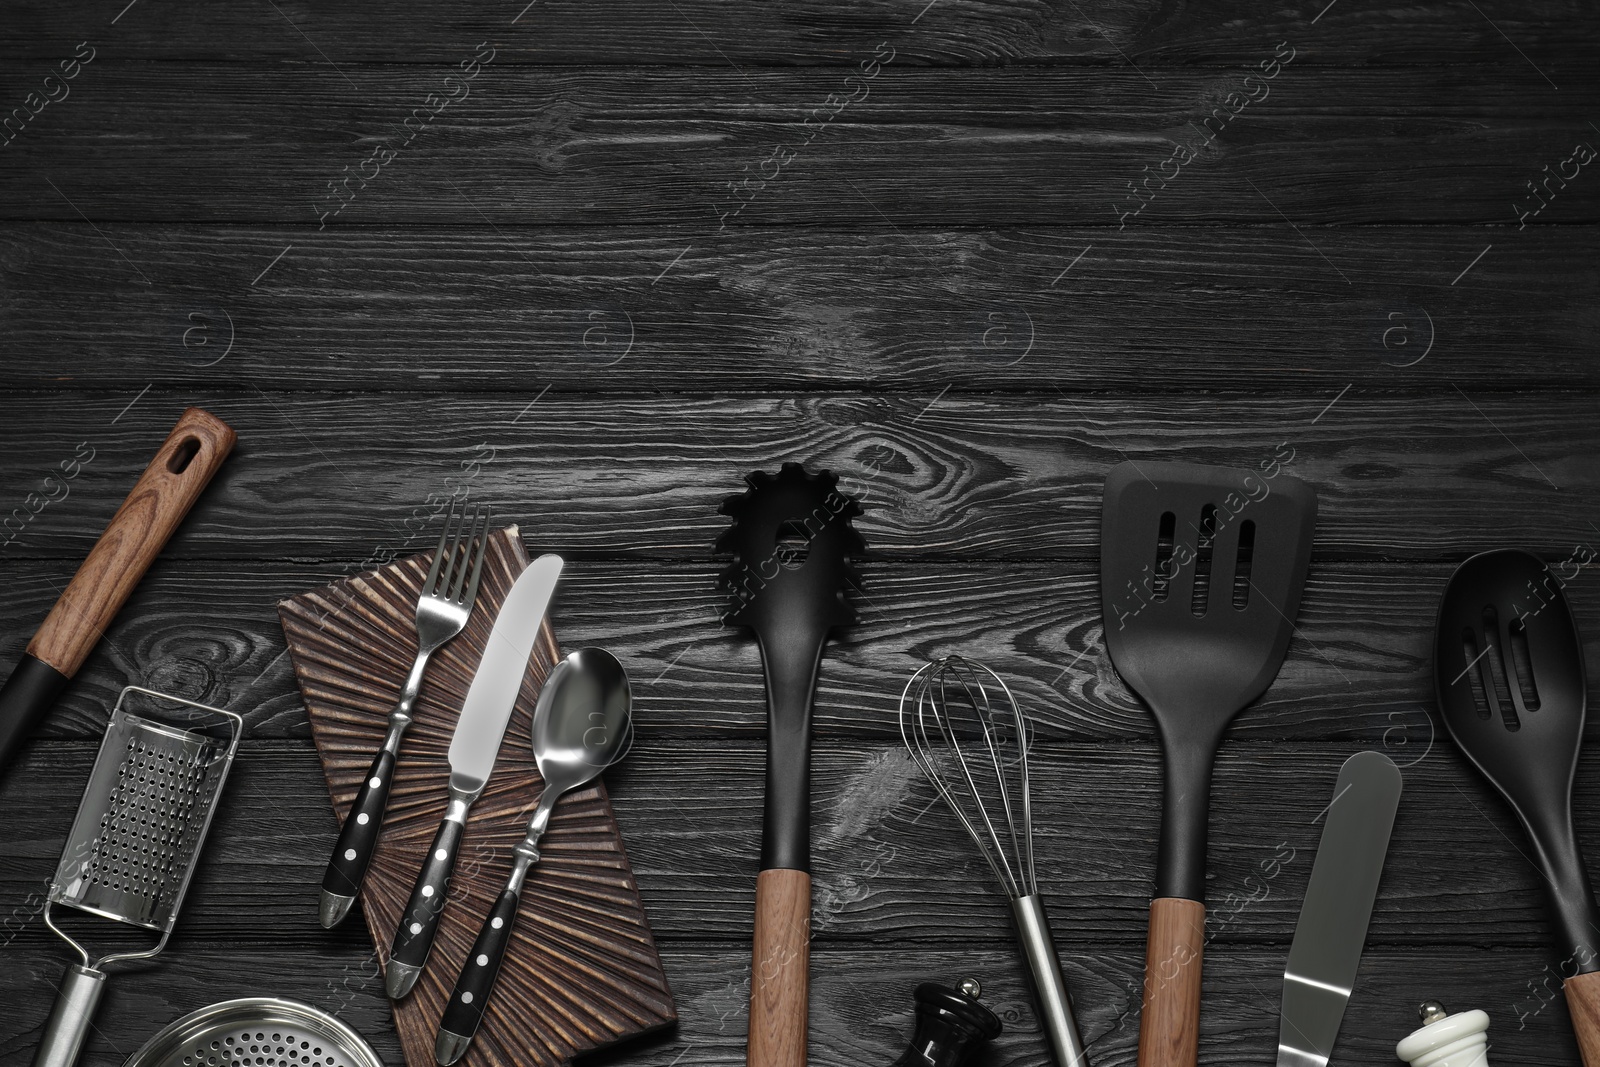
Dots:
pixel 792 542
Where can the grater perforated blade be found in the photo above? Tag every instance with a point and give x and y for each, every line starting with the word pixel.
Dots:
pixel 134 844
pixel 256 1032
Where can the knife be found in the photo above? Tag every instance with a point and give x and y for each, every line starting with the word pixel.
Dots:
pixel 490 698
pixel 1333 920
pixel 183 466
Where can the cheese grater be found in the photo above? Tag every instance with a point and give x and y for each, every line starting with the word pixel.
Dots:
pixel 133 846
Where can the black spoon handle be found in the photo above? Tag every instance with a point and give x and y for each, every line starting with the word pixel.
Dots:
pixel 464 1014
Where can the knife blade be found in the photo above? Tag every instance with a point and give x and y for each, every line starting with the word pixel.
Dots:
pixel 473 748
pixel 1333 920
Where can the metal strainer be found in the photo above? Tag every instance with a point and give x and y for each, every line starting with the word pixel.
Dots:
pixel 256 1032
pixel 133 846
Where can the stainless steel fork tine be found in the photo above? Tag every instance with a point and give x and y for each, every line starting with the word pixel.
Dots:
pixel 477 564
pixel 458 529
pixel 438 553
pixel 469 545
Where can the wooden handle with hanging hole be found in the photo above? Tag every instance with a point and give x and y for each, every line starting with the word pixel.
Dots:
pixel 192 453
pixel 779 965
pixel 1169 1023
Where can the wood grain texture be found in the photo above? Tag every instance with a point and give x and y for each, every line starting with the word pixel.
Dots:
pixel 780 970
pixel 1583 1002
pixel 582 970
pixel 890 868
pixel 1148 33
pixel 182 467
pixel 1169 1012
pixel 861 1000
pixel 784 308
pixel 1407 474
pixel 658 146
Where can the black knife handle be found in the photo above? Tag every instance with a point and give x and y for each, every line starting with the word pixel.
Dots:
pixel 359 836
pixel 413 940
pixel 464 1014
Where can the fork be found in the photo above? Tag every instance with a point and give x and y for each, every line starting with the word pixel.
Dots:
pixel 443 607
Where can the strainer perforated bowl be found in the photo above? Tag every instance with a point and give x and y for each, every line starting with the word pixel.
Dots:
pixel 256 1032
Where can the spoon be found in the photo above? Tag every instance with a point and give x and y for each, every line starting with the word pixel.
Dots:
pixel 581 726
pixel 1508 672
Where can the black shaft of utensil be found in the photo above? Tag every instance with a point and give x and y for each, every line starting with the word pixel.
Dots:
pixel 30 691
pixel 791 658
pixel 1185 809
pixel 1555 846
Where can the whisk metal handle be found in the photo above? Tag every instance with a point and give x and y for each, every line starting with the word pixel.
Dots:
pixel 1050 988
pixel 70 1019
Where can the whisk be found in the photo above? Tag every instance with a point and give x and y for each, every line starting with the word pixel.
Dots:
pixel 973 747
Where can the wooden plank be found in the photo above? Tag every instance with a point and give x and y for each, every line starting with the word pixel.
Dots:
pixel 889 863
pixel 766 308
pixel 536 146
pixel 707 33
pixel 861 1002
pixel 1357 671
pixel 943 475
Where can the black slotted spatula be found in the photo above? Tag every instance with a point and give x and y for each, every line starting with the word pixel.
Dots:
pixel 1201 570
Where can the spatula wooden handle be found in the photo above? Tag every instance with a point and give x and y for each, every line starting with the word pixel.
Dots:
pixel 780 961
pixel 1583 1004
pixel 1169 1022
pixel 163 495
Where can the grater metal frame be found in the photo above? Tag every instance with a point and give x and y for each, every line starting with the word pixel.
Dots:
pixel 55 895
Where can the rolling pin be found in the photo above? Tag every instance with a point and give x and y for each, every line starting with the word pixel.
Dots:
pixel 192 453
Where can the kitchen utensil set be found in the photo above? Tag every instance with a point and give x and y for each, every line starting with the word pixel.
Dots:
pixel 479 731
pixel 1202 570
pixel 443 608
pixel 789 582
pixel 963 727
pixel 133 847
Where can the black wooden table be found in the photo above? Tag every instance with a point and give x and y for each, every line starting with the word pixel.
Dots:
pixel 592 263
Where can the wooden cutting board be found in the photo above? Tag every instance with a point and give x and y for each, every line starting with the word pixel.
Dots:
pixel 582 970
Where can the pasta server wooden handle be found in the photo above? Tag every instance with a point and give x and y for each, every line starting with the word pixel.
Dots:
pixel 779 964
pixel 1583 1004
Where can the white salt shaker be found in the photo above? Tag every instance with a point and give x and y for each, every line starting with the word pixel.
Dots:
pixel 1460 1040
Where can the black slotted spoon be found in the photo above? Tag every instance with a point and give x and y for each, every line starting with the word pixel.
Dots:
pixel 1508 673
pixel 1201 570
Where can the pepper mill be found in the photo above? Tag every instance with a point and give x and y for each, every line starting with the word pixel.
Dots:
pixel 1445 1040
pixel 950 1026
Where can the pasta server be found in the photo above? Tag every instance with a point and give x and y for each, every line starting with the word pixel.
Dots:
pixel 789 582
pixel 134 844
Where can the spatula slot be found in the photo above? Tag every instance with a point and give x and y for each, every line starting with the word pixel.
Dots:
pixel 1241 566
pixel 1522 663
pixel 1473 660
pixel 1162 580
pixel 1496 677
pixel 1207 532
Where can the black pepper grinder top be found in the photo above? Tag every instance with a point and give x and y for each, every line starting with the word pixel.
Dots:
pixel 950 1026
